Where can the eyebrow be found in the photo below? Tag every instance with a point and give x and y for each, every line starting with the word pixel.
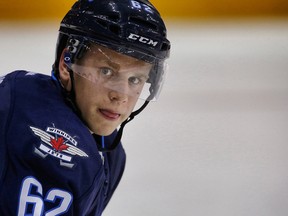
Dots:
pixel 113 64
pixel 109 61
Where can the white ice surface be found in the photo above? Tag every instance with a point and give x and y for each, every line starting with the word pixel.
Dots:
pixel 216 143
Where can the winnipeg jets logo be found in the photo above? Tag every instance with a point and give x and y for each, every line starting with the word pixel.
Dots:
pixel 58 144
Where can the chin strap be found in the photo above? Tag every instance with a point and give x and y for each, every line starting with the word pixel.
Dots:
pixel 117 139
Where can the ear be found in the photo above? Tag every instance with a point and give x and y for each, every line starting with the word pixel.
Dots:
pixel 64 74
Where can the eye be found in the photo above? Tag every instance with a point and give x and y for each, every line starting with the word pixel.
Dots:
pixel 106 71
pixel 136 80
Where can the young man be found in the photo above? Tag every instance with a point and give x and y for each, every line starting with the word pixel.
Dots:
pixel 60 150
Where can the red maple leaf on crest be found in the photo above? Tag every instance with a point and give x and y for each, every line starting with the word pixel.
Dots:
pixel 58 144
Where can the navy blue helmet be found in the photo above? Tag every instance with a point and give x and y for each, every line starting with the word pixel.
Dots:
pixel 118 24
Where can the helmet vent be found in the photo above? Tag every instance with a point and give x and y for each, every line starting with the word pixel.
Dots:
pixel 113 28
pixel 165 46
pixel 144 23
pixel 114 17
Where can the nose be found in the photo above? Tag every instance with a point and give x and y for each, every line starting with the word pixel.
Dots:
pixel 119 91
pixel 116 96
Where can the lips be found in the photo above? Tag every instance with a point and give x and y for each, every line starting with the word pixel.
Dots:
pixel 109 114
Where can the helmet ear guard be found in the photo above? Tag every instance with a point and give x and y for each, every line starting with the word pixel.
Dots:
pixel 67 58
pixel 77 46
pixel 73 45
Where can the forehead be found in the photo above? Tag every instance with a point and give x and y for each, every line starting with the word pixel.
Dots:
pixel 97 53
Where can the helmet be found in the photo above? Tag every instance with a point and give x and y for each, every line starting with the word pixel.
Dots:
pixel 132 27
pixel 134 23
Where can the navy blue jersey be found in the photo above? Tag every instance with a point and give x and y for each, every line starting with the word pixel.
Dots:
pixel 49 161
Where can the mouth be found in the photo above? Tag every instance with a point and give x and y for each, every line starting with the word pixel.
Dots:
pixel 110 115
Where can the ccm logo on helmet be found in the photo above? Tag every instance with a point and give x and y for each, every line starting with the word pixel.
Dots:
pixel 142 39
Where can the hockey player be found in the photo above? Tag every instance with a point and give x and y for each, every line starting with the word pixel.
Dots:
pixel 60 149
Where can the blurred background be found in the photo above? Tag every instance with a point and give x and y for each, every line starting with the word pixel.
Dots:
pixel 216 142
pixel 187 9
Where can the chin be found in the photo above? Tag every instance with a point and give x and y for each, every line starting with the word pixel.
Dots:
pixel 103 132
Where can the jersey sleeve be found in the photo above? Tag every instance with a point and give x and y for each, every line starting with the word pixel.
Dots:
pixel 5 101
pixel 116 161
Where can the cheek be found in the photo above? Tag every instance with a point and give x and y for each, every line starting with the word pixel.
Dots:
pixel 85 88
pixel 85 95
pixel 132 104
